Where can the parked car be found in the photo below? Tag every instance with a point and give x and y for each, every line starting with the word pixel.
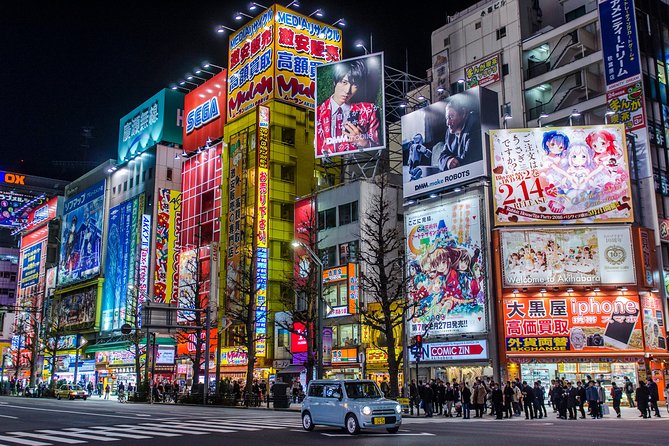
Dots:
pixel 351 404
pixel 71 392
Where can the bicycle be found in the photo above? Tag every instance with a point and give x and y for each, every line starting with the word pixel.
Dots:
pixel 121 397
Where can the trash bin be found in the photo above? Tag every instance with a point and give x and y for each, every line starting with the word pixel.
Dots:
pixel 280 396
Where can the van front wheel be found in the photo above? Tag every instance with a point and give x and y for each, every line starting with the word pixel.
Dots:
pixel 307 422
pixel 352 426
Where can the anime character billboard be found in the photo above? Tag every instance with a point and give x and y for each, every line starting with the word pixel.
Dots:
pixel 446 268
pixel 561 175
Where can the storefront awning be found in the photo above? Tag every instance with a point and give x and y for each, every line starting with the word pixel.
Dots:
pixel 107 347
pixel 295 368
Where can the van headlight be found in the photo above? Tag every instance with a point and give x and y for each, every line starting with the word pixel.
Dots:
pixel 398 409
pixel 366 410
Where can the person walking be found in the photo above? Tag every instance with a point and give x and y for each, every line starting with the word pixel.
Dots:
pixel 592 395
pixel 107 391
pixel 603 407
pixel 642 399
pixel 616 396
pixel 528 401
pixel 413 396
pixel 466 396
pixel 539 397
pixel 653 396
pixel 629 391
pixel 497 400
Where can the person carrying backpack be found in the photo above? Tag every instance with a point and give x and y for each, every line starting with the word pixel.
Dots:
pixel 629 391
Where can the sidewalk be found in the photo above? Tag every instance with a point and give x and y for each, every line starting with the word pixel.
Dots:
pixel 625 413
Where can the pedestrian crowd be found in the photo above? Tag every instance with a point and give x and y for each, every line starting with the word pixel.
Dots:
pixel 568 400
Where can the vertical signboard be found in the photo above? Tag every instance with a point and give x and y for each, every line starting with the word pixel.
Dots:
pixel 205 115
pixel 353 289
pixel 158 119
pixel 167 245
pixel 31 260
pixel 262 229
pixel 236 220
pixel 145 233
pixel 350 106
pixel 81 236
pixel 622 69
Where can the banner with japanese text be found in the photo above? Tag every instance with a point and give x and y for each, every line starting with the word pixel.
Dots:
pixel 654 327
pixel 595 324
pixel 168 230
pixel 447 273
pixel 262 229
pixel 484 72
pixel 561 175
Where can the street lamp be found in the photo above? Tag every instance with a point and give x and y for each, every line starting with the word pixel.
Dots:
pixel 319 328
pixel 574 114
pixel 542 116
pixel 361 45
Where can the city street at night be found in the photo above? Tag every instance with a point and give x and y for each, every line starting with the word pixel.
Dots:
pixel 42 422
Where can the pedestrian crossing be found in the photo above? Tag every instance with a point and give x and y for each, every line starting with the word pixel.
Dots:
pixel 145 430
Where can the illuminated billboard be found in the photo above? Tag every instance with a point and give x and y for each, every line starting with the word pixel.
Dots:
pixel 350 113
pixel 204 112
pixel 447 271
pixel 594 324
pixel 81 235
pixel 119 289
pixel 554 257
pixel 32 259
pixel 262 229
pixel 484 72
pixel 561 175
pixel 168 244
pixel 158 119
pixel 443 144
pixel 275 56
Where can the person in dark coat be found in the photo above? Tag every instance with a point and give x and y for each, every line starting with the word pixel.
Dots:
pixel 642 399
pixel 653 396
pixel 539 396
pixel 440 396
pixel 570 394
pixel 616 396
pixel 594 402
pixel 466 395
pixel 497 400
pixel 561 399
pixel 508 399
pixel 580 398
pixel 428 398
pixel 414 399
pixel 528 400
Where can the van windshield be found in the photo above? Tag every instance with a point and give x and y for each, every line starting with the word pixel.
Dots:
pixel 362 390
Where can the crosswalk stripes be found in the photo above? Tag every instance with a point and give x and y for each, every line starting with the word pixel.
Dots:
pixel 142 430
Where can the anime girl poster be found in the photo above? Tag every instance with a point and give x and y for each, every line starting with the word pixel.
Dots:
pixel 446 268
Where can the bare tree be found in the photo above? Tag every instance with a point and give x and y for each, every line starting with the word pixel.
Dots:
pixel 136 347
pixel 301 304
pixel 382 278
pixel 56 328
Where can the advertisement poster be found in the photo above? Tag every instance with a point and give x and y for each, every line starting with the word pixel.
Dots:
pixel 262 230
pixel 554 257
pixel 31 262
pixel 484 72
pixel 275 56
pixel 593 324
pixel 187 284
pixel 350 114
pixel 81 236
pixel 79 307
pixel 442 144
pixel 118 292
pixel 454 351
pixel 168 229
pixel 14 208
pixel 447 274
pixel 561 175
pixel 654 328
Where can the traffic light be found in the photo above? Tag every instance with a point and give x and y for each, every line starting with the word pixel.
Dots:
pixel 419 342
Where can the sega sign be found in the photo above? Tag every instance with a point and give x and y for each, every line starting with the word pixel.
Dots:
pixel 202 114
pixel 455 351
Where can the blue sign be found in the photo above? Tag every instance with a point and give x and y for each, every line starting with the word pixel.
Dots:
pixel 619 41
pixel 30 265
pixel 119 263
pixel 81 236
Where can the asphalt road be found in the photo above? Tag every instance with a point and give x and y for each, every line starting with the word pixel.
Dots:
pixel 44 422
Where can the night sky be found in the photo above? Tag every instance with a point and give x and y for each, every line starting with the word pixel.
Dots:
pixel 67 72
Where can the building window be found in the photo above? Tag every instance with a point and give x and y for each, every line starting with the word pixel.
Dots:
pixel 288 173
pixel 346 335
pixel 447 41
pixel 336 294
pixel 348 252
pixel 477 25
pixel 348 213
pixel 114 190
pixel 327 219
pixel 283 337
pixel 130 183
pixel 288 135
pixel 328 256
pixel 150 172
pixel 501 32
pixel 168 177
pixel 125 186
pixel 505 69
pixel 12 277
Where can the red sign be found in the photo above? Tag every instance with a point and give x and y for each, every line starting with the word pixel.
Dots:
pixel 42 214
pixel 204 112
pixel 298 341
